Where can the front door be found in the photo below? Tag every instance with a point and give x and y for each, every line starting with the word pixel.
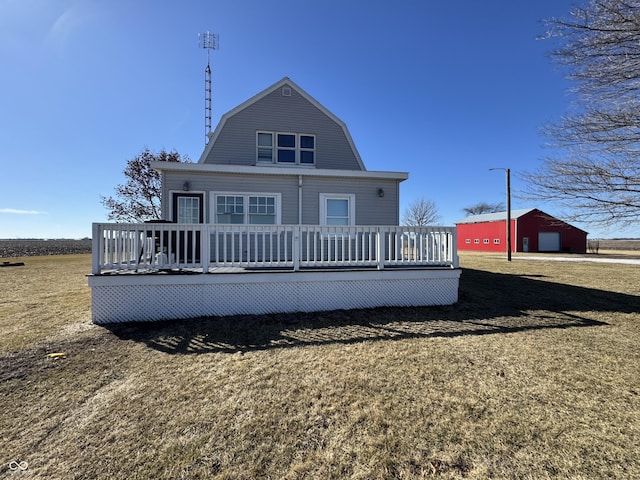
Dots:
pixel 525 244
pixel 187 208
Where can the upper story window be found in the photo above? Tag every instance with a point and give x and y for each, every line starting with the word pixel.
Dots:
pixel 286 148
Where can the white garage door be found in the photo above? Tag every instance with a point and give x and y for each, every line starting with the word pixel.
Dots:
pixel 549 241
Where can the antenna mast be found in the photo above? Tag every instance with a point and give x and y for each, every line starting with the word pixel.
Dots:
pixel 208 41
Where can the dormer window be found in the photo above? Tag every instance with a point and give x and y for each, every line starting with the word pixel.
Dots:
pixel 286 148
pixel 265 147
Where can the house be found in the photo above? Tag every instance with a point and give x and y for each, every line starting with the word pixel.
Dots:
pixel 532 230
pixel 280 158
pixel 278 215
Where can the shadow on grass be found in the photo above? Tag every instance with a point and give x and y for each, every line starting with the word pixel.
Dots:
pixel 490 303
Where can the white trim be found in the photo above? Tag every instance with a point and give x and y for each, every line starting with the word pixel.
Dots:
pixel 350 197
pixel 214 194
pixel 270 170
pixel 288 82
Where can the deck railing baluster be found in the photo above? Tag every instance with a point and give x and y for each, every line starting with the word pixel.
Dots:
pixel 125 247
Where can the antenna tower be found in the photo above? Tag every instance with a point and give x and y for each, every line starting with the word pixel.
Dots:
pixel 208 41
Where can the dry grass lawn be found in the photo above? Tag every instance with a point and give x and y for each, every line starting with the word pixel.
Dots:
pixel 534 374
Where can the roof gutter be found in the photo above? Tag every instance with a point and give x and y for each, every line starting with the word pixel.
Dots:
pixel 275 170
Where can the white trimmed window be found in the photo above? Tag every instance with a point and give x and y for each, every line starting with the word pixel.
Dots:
pixel 337 209
pixel 246 208
pixel 496 241
pixel 485 241
pixel 285 148
pixel 188 209
pixel 265 147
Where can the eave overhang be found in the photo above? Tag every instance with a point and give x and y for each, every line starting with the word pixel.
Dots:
pixel 276 170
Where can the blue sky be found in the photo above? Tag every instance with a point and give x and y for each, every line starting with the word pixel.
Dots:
pixel 443 90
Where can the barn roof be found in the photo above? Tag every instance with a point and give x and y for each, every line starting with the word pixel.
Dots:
pixel 495 217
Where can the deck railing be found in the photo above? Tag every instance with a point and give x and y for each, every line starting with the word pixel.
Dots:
pixel 165 246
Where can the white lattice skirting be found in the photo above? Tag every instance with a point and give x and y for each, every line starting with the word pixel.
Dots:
pixel 143 298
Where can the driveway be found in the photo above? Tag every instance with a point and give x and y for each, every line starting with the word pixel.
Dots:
pixel 628 261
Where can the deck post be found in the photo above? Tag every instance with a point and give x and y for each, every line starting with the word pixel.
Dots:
pixel 380 248
pixel 297 247
pixel 455 259
pixel 205 252
pixel 96 236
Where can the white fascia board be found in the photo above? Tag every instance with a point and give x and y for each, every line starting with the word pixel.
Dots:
pixel 275 170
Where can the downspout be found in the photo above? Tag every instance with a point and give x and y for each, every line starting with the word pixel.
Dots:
pixel 297 237
pixel 398 202
pixel 299 199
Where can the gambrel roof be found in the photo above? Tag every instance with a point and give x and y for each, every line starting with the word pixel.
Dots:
pixel 284 83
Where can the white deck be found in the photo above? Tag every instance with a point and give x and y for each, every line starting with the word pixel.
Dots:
pixel 156 272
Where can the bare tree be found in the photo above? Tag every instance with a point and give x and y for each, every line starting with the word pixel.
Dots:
pixel 420 213
pixel 139 198
pixel 484 207
pixel 595 175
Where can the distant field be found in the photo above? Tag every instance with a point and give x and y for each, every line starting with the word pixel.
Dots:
pixel 34 248
pixel 626 245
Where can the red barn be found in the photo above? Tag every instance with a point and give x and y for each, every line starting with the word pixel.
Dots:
pixel 532 230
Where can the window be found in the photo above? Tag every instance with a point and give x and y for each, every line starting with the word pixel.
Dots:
pixel 496 241
pixel 307 149
pixel 262 210
pixel 188 210
pixel 468 240
pixel 229 209
pixel 476 241
pixel 247 208
pixel 265 147
pixel 288 148
pixel 337 209
pixel 485 241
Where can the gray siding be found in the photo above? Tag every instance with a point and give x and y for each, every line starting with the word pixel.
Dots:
pixel 207 183
pixel 370 208
pixel 236 143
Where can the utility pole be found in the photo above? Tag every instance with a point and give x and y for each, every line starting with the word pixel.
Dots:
pixel 508 172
